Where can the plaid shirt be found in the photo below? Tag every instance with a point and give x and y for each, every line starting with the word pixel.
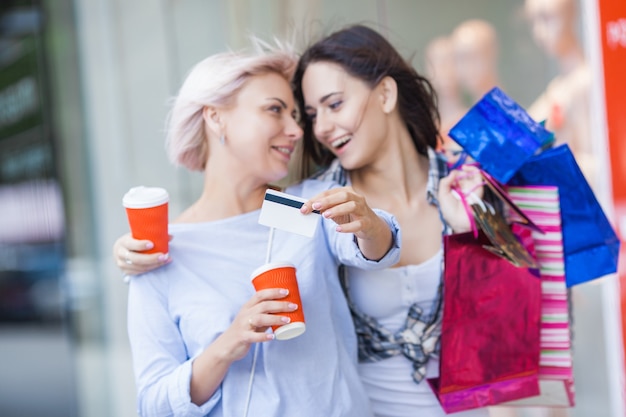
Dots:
pixel 418 339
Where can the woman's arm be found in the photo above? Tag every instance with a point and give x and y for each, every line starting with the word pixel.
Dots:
pixel 248 327
pixel 352 214
pixel 170 383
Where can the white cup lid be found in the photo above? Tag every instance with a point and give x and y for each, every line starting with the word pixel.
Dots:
pixel 144 197
pixel 289 331
pixel 269 266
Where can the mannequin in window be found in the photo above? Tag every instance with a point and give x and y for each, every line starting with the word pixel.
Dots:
pixel 476 53
pixel 565 103
pixel 441 71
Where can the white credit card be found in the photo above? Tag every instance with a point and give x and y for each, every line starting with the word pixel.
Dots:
pixel 282 211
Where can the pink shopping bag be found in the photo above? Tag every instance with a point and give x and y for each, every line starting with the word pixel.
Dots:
pixel 490 328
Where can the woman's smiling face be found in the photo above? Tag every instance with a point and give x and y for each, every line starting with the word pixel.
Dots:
pixel 345 114
pixel 261 128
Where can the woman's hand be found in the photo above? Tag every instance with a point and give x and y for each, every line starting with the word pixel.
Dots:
pixel 128 257
pixel 466 180
pixel 248 327
pixel 254 318
pixel 353 215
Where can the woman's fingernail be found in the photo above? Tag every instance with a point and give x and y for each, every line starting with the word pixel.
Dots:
pixel 270 336
pixel 327 213
pixel 285 319
pixel 284 291
pixel 163 258
pixel 293 306
pixel 317 206
pixel 149 245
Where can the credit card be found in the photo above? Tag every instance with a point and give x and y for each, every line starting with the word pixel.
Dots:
pixel 282 211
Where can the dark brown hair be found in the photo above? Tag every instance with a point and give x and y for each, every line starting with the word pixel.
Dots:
pixel 367 55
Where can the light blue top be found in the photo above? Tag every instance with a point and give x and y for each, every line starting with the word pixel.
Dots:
pixel 175 312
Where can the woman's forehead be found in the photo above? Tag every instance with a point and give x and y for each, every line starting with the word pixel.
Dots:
pixel 267 79
pixel 326 76
pixel 271 84
pixel 326 68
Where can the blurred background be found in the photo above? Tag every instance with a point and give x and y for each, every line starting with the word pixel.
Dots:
pixel 83 92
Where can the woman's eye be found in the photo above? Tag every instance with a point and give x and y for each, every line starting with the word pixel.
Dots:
pixel 335 105
pixel 311 116
pixel 276 109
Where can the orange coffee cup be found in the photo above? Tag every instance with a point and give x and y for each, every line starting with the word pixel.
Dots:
pixel 282 275
pixel 146 209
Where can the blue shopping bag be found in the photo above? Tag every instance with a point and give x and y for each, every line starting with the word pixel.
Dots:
pixel 498 134
pixel 590 244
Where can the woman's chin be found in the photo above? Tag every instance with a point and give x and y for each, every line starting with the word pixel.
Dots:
pixel 348 163
pixel 278 176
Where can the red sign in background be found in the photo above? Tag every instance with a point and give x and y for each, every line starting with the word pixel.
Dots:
pixel 613 28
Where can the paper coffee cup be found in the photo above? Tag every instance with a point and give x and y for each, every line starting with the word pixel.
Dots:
pixel 147 212
pixel 282 275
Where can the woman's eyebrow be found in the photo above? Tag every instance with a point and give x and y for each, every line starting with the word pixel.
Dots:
pixel 282 103
pixel 327 96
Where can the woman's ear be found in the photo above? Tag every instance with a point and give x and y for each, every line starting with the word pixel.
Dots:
pixel 212 119
pixel 388 89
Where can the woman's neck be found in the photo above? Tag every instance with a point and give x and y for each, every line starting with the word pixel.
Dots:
pixel 399 172
pixel 224 197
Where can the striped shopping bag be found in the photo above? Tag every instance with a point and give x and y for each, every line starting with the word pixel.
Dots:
pixel 556 379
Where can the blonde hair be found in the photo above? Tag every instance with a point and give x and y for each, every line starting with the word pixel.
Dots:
pixel 215 81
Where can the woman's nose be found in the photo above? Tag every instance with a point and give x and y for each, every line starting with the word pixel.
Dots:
pixel 293 129
pixel 322 125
